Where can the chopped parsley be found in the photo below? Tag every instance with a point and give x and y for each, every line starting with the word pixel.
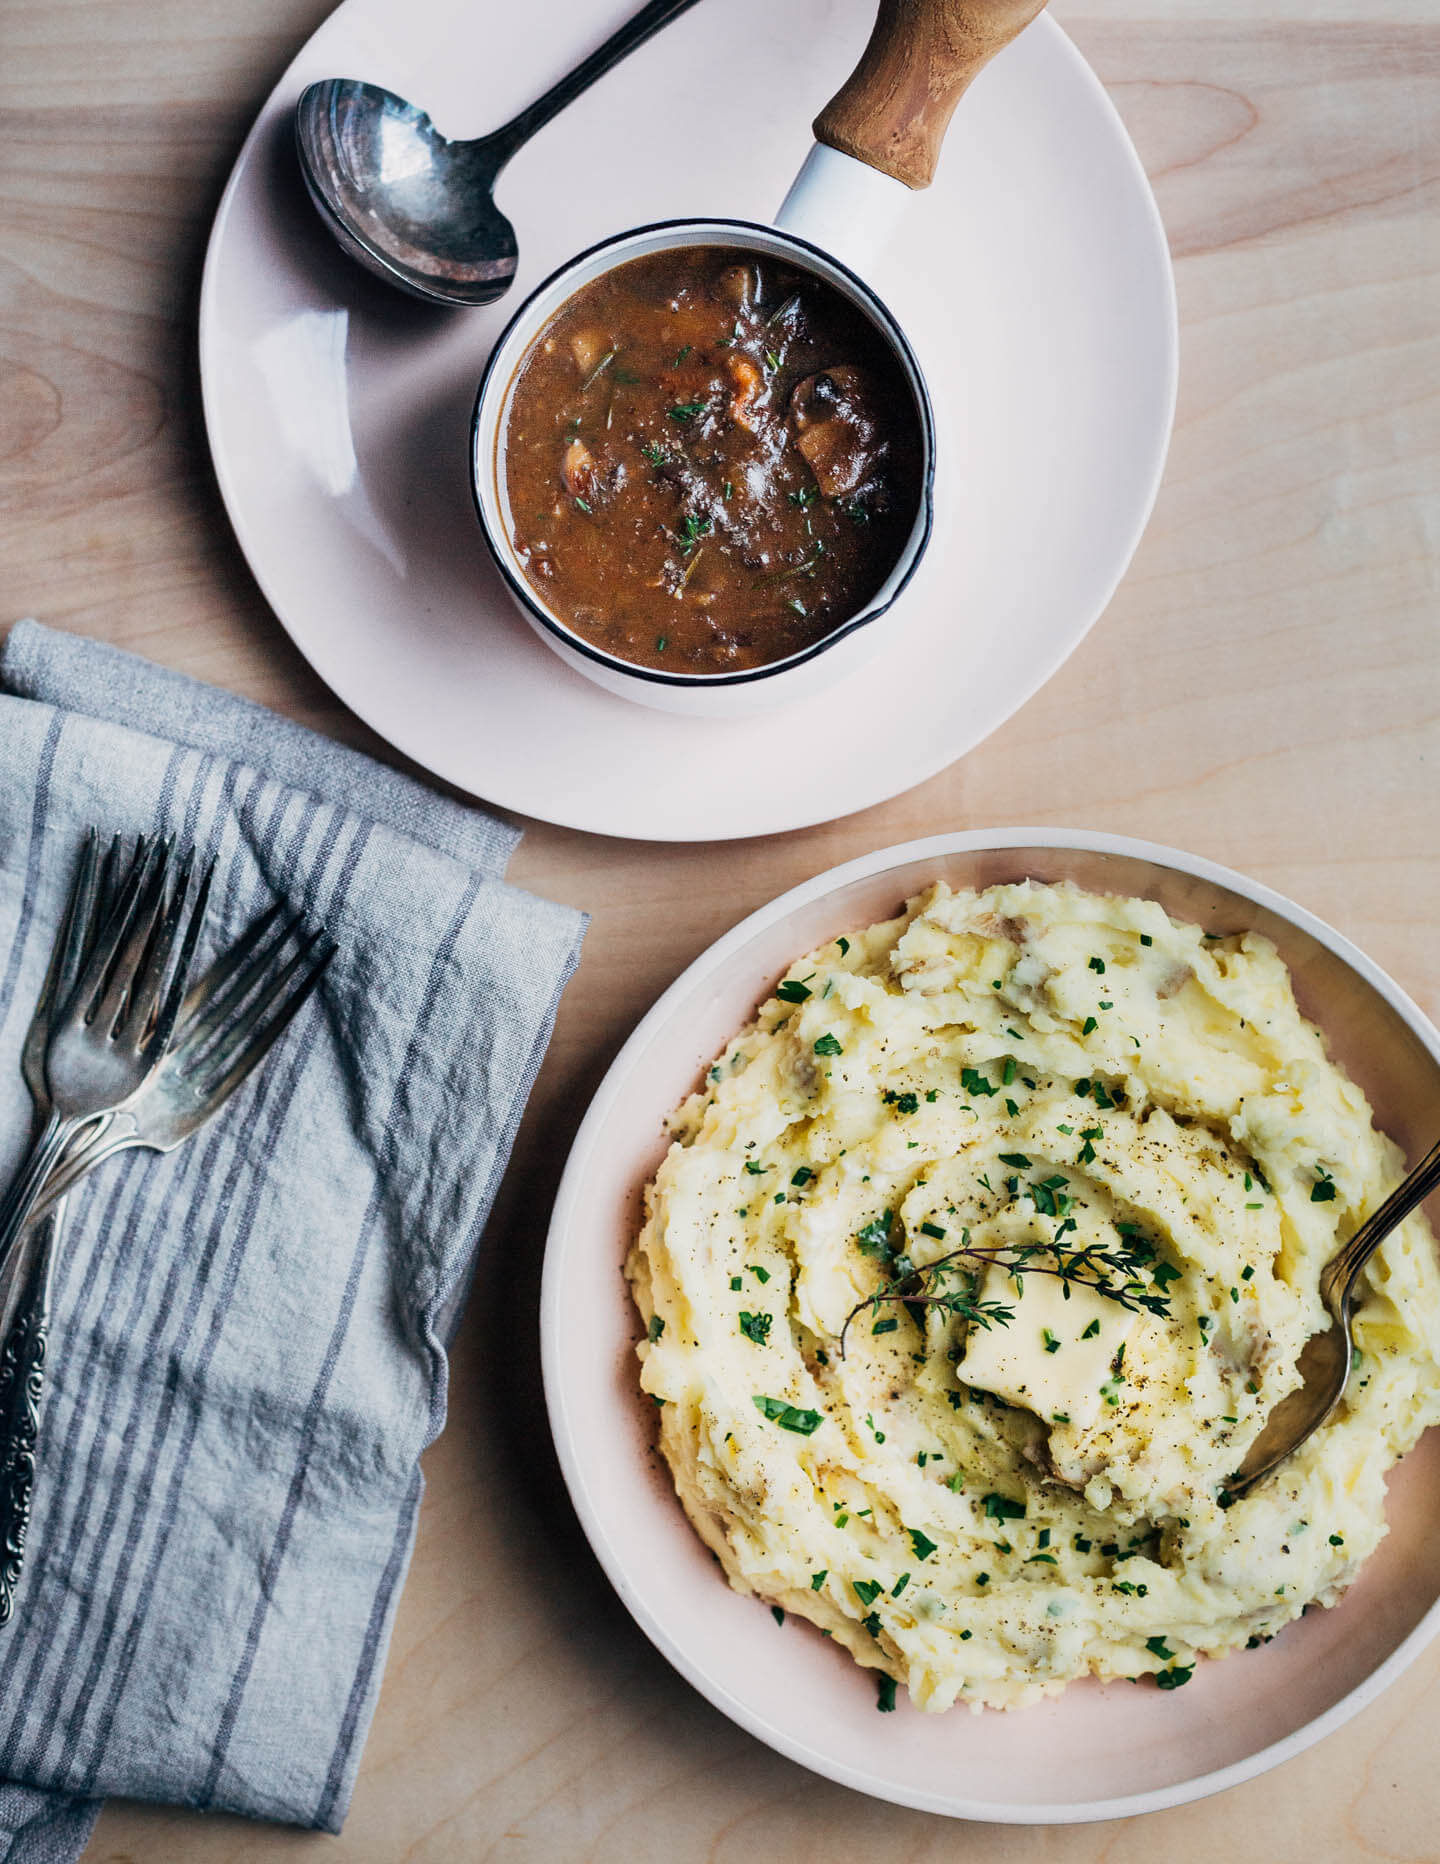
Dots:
pixel 655 1329
pixel 801 1175
pixel 793 990
pixel 866 1590
pixel 817 1580
pixel 1001 1508
pixel 686 411
pixel 789 1416
pixel 1052 1345
pixel 885 1694
pixel 1323 1190
pixel 828 1044
pixel 756 1327
pixel 921 1542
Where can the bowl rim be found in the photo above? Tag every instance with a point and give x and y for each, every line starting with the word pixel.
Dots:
pixel 612 1086
pixel 484 487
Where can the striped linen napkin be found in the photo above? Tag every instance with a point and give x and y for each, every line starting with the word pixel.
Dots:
pixel 248 1341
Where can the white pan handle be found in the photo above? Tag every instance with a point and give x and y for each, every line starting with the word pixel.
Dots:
pixel 845 207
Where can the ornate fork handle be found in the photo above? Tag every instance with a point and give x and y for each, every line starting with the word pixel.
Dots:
pixel 22 1385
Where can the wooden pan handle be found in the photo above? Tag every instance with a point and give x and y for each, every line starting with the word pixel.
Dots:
pixel 893 111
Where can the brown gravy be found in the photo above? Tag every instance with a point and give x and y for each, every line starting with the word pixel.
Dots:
pixel 712 459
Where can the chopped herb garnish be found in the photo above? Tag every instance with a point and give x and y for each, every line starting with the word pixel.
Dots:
pixel 1088 1025
pixel 793 990
pixel 1001 1508
pixel 761 1275
pixel 789 1416
pixel 777 1612
pixel 1145 939
pixel 801 1175
pixel 921 1542
pixel 817 1580
pixel 1015 1158
pixel 900 1584
pixel 685 411
pixel 1052 1345
pixel 583 505
pixel 931 1229
pixel 885 1326
pixel 692 529
pixel 828 1045
pixel 1091 1330
pixel 866 1590
pixel 1159 1648
pixel 885 1694
pixel 735 1284
pixel 1175 1677
pixel 756 1327
pixel 1098 964
pixel 682 355
pixel 655 1329
pixel 1323 1190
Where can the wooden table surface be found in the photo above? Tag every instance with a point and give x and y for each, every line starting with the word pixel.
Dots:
pixel 1265 690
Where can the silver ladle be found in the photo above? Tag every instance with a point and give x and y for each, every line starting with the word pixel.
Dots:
pixel 415 208
pixel 1324 1363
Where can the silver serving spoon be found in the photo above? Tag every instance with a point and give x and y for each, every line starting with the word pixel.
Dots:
pixel 415 208
pixel 1325 1361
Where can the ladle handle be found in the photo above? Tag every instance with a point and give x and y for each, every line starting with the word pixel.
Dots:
pixel 894 109
pixel 633 34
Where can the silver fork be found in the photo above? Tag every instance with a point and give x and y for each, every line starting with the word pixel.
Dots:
pixel 25 1285
pixel 110 1031
pixel 229 1023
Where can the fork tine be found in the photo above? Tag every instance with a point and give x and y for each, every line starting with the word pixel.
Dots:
pixel 232 977
pixel 117 927
pixel 170 1004
pixel 149 933
pixel 70 947
pixel 249 1040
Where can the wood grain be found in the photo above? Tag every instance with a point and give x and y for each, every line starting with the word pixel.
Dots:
pixel 1265 689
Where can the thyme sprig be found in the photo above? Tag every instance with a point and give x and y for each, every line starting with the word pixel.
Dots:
pixel 951 1283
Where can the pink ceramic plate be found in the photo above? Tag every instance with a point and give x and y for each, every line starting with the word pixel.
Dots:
pixel 1033 280
pixel 1108 1750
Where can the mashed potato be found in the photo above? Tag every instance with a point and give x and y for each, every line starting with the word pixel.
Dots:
pixel 884 1408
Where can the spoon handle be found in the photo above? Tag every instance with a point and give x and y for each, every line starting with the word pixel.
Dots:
pixel 893 111
pixel 1347 1262
pixel 636 30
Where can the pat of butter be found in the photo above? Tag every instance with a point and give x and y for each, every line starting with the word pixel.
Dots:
pixel 1055 1354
